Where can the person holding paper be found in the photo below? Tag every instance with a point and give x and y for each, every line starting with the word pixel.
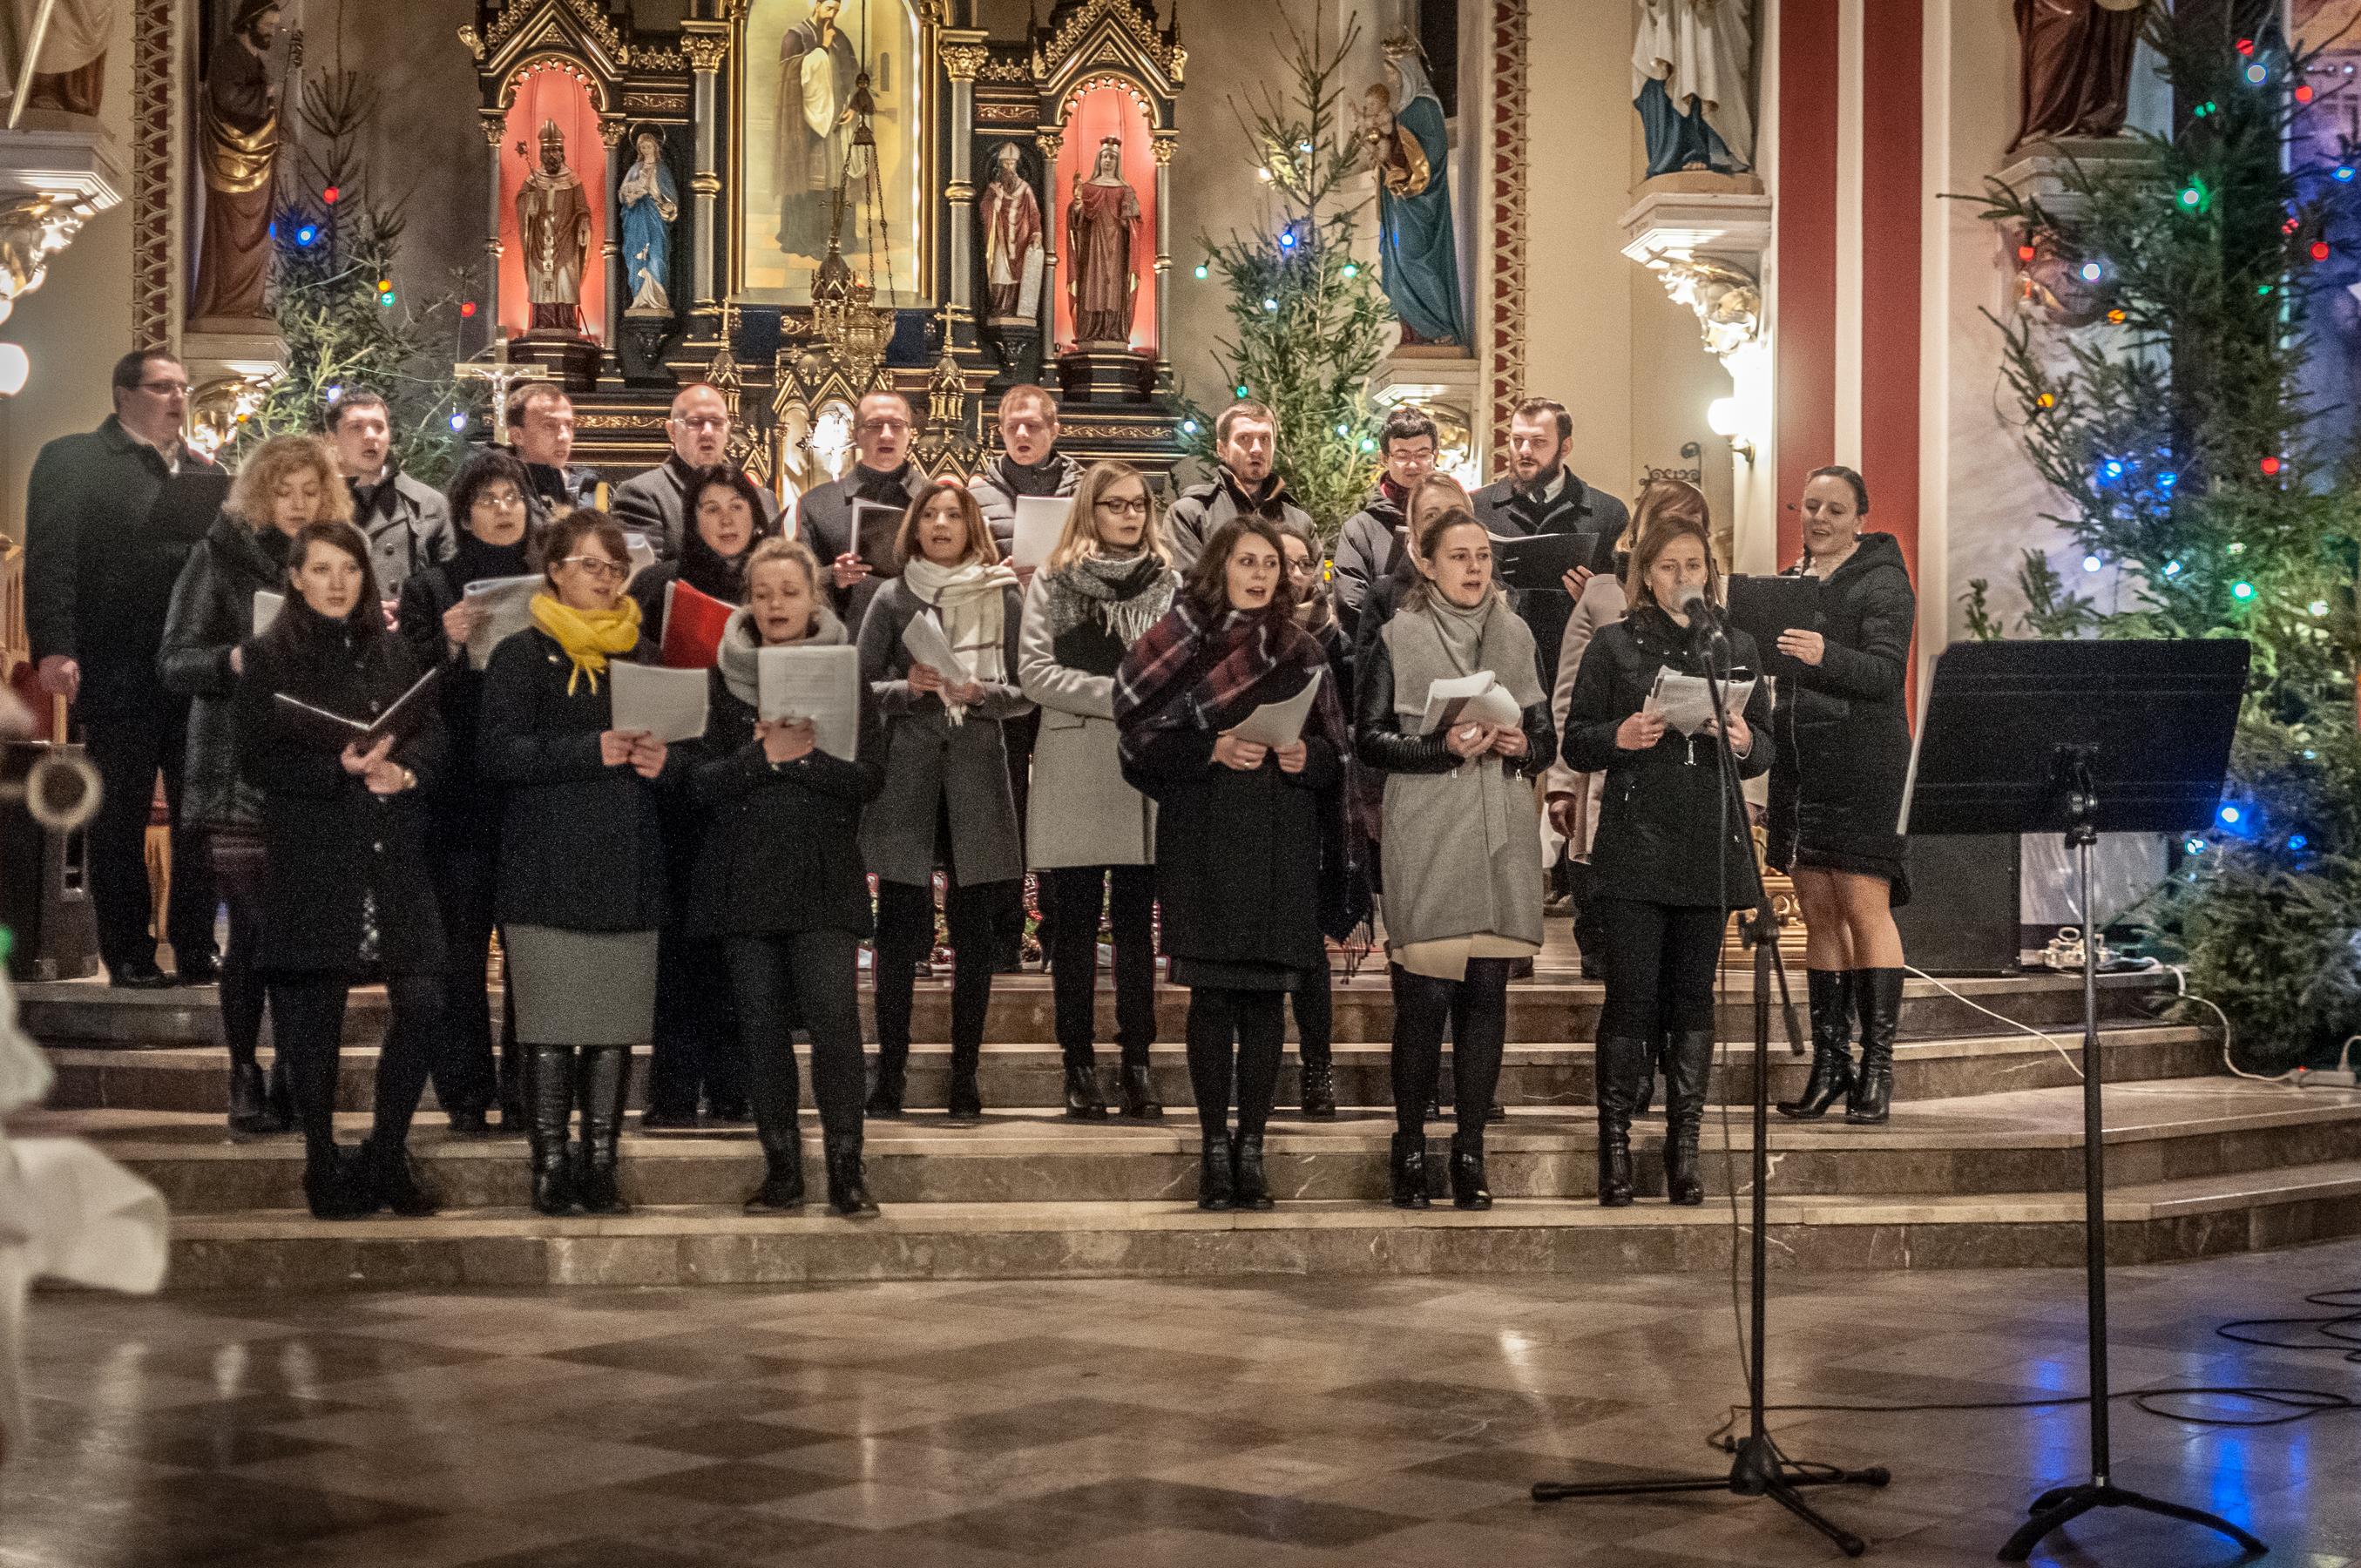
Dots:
pixel 778 881
pixel 1246 440
pixel 1315 1008
pixel 1462 871
pixel 286 483
pixel 1842 751
pixel 1239 827
pixel 884 428
pixel 1106 584
pixel 343 876
pixel 947 801
pixel 581 888
pixel 1674 854
pixel 1540 495
pixel 1373 544
pixel 438 619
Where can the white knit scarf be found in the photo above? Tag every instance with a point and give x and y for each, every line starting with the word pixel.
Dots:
pixel 968 599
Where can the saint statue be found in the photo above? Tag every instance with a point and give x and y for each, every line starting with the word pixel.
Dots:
pixel 1100 277
pixel 237 155
pixel 1417 255
pixel 817 70
pixel 72 68
pixel 2076 67
pixel 1012 239
pixel 1688 82
pixel 553 232
pixel 650 204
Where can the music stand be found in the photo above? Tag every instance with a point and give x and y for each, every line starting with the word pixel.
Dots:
pixel 2081 739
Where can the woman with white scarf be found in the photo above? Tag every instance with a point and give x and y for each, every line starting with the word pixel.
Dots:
pixel 947 800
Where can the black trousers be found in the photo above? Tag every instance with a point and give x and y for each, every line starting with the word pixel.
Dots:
pixel 1315 1015
pixel 307 1009
pixel 236 861
pixel 694 1046
pixel 906 934
pixel 129 750
pixel 1079 892
pixel 1661 961
pixel 1257 1020
pixel 1019 736
pixel 464 874
pixel 1476 1011
pixel 778 981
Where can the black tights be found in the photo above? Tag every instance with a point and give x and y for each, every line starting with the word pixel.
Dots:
pixel 308 1008
pixel 1257 1021
pixel 1476 1009
pixel 906 934
pixel 237 865
pixel 806 976
pixel 1661 960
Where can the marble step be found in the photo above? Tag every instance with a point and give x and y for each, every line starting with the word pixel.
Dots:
pixel 196 1078
pixel 2147 1222
pixel 2026 1141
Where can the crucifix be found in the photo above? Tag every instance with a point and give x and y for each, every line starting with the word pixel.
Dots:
pixel 501 374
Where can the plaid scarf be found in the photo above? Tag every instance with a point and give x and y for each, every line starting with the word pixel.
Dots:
pixel 1189 673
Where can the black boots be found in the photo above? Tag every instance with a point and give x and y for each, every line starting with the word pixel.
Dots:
pixel 1689 1061
pixel 1139 1100
pixel 1831 1002
pixel 886 1084
pixel 1409 1169
pixel 1468 1188
pixel 603 1078
pixel 1251 1189
pixel 548 1090
pixel 966 1100
pixel 1084 1102
pixel 783 1171
pixel 1877 996
pixel 1319 1098
pixel 847 1191
pixel 254 1110
pixel 1216 1181
pixel 1621 1064
pixel 393 1181
pixel 335 1186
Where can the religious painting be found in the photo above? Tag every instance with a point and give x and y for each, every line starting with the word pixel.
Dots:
pixel 1102 202
pixel 554 206
pixel 798 73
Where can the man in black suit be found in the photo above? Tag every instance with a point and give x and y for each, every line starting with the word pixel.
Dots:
pixel 883 427
pixel 655 505
pixel 98 580
pixel 1543 496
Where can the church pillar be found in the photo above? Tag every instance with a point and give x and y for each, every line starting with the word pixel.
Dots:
pixel 1164 145
pixel 962 55
pixel 706 45
pixel 610 132
pixel 495 124
pixel 1052 232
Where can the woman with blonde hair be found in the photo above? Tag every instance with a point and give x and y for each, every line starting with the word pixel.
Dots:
pixel 1109 579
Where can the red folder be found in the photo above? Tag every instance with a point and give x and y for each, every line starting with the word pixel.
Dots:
pixel 692 628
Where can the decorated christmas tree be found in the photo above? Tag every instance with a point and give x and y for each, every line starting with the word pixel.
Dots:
pixel 2156 368
pixel 1308 320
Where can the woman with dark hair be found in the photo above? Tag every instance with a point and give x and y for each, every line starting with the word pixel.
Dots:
pixel 344 884
pixel 1841 738
pixel 1463 865
pixel 285 483
pixel 436 617
pixel 1673 855
pixel 1108 580
pixel 1239 827
pixel 581 882
pixel 778 881
pixel 726 520
pixel 947 800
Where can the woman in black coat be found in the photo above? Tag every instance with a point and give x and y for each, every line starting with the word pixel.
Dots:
pixel 437 619
pixel 1673 855
pixel 1239 827
pixel 581 883
pixel 286 482
pixel 1842 751
pixel 343 836
pixel 778 883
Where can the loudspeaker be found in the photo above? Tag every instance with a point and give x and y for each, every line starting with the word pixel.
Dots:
pixel 44 880
pixel 1962 914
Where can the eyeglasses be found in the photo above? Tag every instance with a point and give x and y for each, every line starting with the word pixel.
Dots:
pixel 881 426
pixel 500 499
pixel 166 388
pixel 703 422
pixel 598 566
pixel 1137 506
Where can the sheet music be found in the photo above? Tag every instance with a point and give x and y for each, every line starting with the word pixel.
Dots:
pixel 1281 723
pixel 1479 698
pixel 267 605
pixel 1039 521
pixel 506 603
pixel 822 685
pixel 1685 702
pixel 642 555
pixel 928 645
pixel 669 704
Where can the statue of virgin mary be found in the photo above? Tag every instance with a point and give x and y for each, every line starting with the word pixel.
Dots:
pixel 1689 84
pixel 1417 252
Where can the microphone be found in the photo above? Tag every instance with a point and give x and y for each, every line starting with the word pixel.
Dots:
pixel 1704 615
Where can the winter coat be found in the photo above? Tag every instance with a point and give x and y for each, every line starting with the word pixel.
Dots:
pixel 654 506
pixel 1079 811
pixel 211 612
pixel 466 804
pixel 997 496
pixel 1602 604
pixel 408 524
pixel 1200 510
pixel 1574 508
pixel 824 522
pixel 1369 548
pixel 551 490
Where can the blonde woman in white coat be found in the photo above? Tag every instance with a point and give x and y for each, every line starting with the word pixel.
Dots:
pixel 1109 579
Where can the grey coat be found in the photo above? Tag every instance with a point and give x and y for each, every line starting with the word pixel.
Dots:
pixel 1201 509
pixel 408 532
pixel 930 761
pixel 1080 812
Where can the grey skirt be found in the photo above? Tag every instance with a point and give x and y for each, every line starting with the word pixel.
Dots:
pixel 581 988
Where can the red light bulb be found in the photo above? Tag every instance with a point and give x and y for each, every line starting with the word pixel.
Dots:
pixel 2320 250
pixel 2270 466
pixel 330 195
pixel 467 307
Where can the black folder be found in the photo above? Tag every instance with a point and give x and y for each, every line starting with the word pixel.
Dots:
pixel 401 719
pixel 1764 608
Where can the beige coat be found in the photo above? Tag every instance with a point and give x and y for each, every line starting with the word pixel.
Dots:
pixel 1601 605
pixel 1079 811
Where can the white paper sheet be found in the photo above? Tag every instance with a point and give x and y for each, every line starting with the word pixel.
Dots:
pixel 928 645
pixel 1039 520
pixel 669 704
pixel 267 605
pixel 1281 723
pixel 822 685
pixel 1479 698
pixel 642 555
pixel 506 603
pixel 1685 702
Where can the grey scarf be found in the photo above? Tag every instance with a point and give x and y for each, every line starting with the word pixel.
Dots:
pixel 740 646
pixel 1125 594
pixel 1442 641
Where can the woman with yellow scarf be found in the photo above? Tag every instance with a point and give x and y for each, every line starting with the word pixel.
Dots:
pixel 581 869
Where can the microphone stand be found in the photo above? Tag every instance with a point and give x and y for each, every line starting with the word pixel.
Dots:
pixel 1758 1469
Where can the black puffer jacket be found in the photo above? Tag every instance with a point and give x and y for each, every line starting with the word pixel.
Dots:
pixel 211 612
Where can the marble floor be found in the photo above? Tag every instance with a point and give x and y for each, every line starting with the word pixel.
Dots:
pixel 1278 1422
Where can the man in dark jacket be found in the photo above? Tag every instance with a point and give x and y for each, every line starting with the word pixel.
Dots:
pixel 97 584
pixel 541 431
pixel 1371 544
pixel 1029 464
pixel 406 521
pixel 1245 439
pixel 882 430
pixel 655 505
pixel 1543 496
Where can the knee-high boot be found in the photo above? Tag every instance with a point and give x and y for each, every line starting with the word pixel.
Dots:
pixel 603 1080
pixel 548 1088
pixel 1620 1063
pixel 1689 1060
pixel 1832 1004
pixel 1877 995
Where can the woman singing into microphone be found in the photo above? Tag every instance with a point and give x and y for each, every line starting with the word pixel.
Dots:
pixel 1842 750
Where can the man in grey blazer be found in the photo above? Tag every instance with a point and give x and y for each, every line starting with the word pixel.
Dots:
pixel 883 429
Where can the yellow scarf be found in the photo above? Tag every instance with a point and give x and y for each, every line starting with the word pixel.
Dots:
pixel 588 637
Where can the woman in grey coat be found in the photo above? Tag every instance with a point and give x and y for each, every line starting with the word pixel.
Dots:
pixel 1109 579
pixel 947 800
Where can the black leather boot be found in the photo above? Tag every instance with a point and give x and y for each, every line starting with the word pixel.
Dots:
pixel 1409 1168
pixel 783 1173
pixel 1084 1102
pixel 548 1090
pixel 1319 1097
pixel 1253 1188
pixel 1620 1063
pixel 1832 1004
pixel 249 1111
pixel 278 1100
pixel 848 1188
pixel 604 1082
pixel 1877 996
pixel 1468 1187
pixel 1217 1185
pixel 1139 1100
pixel 886 1081
pixel 1689 1061
pixel 335 1186
pixel 394 1183
pixel 966 1100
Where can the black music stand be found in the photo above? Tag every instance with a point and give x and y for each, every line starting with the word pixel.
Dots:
pixel 2081 739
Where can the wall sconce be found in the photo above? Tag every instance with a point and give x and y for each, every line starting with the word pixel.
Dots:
pixel 1725 419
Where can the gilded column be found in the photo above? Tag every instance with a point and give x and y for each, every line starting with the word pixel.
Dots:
pixel 610 132
pixel 1165 142
pixel 962 55
pixel 706 45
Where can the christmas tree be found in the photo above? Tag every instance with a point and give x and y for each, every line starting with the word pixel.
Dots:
pixel 2155 368
pixel 1308 321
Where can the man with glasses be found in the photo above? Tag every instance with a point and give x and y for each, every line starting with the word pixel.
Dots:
pixel 408 523
pixel 655 505
pixel 541 432
pixel 98 579
pixel 1373 544
pixel 883 429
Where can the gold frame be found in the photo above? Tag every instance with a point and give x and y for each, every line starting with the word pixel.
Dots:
pixel 927 285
